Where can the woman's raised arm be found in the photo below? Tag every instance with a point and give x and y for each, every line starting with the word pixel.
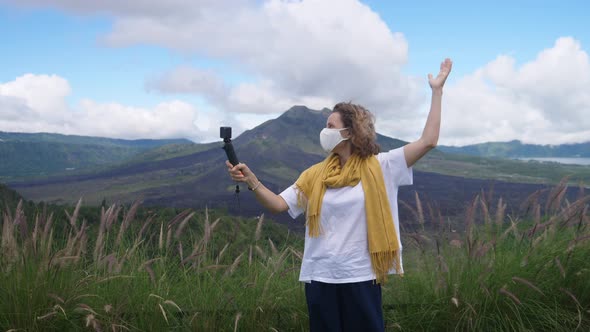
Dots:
pixel 417 149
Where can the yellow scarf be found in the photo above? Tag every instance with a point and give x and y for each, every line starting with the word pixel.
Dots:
pixel 382 237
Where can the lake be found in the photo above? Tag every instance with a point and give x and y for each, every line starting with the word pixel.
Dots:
pixel 569 161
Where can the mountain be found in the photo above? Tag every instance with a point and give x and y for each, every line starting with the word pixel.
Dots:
pixel 9 198
pixel 42 154
pixel 278 151
pixel 516 149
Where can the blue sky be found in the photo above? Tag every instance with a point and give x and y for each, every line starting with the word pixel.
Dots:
pixel 474 33
pixel 129 70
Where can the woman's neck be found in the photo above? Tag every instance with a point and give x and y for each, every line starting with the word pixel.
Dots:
pixel 344 154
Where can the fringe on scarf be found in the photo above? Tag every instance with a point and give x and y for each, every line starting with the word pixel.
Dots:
pixel 383 261
pixel 311 221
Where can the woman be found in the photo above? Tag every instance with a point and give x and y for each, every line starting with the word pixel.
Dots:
pixel 352 239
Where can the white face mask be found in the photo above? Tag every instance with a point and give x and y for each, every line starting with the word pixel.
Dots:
pixel 330 137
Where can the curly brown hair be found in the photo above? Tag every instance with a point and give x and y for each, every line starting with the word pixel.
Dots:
pixel 361 126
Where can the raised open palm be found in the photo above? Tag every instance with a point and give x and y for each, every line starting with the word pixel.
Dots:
pixel 445 69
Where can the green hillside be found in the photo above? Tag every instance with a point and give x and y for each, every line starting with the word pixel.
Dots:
pixel 39 155
pixel 510 170
pixel 86 140
pixel 170 151
pixel 8 197
pixel 278 151
pixel 517 149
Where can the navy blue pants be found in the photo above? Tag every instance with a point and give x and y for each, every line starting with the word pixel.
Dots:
pixel 344 307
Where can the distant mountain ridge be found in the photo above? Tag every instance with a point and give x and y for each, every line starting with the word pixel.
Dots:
pixel 43 154
pixel 26 155
pixel 517 149
pixel 194 175
pixel 87 140
pixel 278 150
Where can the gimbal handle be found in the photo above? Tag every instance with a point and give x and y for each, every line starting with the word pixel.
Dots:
pixel 229 151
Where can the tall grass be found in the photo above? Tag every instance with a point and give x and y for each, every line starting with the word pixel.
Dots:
pixel 502 273
pixel 117 276
pixel 198 271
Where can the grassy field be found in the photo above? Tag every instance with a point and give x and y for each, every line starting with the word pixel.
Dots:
pixel 504 169
pixel 202 271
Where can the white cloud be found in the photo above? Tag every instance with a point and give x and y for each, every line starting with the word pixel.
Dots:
pixel 546 100
pixel 43 94
pixel 319 52
pixel 14 108
pixel 190 80
pixel 37 103
pixel 293 51
pixel 146 8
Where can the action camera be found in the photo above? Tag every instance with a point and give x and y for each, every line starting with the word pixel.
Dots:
pixel 225 133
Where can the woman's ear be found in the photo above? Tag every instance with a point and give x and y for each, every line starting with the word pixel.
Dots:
pixel 345 133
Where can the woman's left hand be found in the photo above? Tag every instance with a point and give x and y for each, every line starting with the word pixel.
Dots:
pixel 436 83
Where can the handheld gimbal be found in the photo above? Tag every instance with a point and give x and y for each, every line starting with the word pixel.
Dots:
pixel 225 133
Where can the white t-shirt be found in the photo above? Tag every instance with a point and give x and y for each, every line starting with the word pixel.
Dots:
pixel 341 253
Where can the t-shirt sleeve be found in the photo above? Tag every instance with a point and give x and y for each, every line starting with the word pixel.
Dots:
pixel 290 197
pixel 395 168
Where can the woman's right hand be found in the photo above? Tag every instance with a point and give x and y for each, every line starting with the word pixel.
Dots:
pixel 241 173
